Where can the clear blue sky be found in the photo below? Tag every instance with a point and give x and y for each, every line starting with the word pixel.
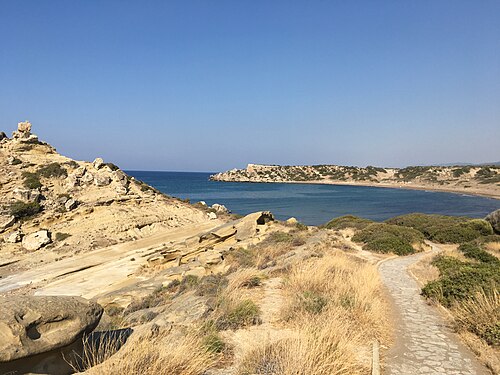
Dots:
pixel 212 85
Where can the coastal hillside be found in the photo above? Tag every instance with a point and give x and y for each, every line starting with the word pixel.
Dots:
pixel 481 180
pixel 49 200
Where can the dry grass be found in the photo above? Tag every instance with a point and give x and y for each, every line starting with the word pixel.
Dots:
pixel 480 315
pixel 166 354
pixel 337 282
pixel 233 308
pixel 333 310
pixel 317 347
pixel 477 321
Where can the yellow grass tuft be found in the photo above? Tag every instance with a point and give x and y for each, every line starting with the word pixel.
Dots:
pixel 166 354
pixel 317 347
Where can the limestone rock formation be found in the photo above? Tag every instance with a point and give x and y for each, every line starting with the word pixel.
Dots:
pixel 37 240
pixel 14 237
pixel 98 163
pixel 31 325
pixel 6 222
pixel 220 208
pixel 23 133
pixel 494 219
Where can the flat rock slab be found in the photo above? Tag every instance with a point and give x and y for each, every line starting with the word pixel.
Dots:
pixel 424 344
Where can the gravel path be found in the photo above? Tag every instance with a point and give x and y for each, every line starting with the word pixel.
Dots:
pixel 424 344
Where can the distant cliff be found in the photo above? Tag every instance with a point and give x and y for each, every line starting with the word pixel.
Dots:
pixel 481 180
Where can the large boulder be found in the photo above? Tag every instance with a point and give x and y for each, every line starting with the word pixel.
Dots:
pixel 494 219
pixel 220 208
pixel 35 241
pixel 30 325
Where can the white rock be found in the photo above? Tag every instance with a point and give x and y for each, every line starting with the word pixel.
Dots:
pixel 220 208
pixel 14 237
pixel 35 241
pixel 98 163
pixel 70 204
pixel 203 203
pixel 24 127
pixel 212 215
pixel 87 178
pixel 292 221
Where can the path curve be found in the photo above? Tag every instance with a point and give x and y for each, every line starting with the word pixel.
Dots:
pixel 424 344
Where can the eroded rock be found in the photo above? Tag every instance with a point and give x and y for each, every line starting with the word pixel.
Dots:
pixel 31 325
pixel 220 208
pixel 6 222
pixel 14 237
pixel 102 179
pixel 494 219
pixel 37 240
pixel 98 163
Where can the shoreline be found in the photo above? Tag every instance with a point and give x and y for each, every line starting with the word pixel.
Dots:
pixel 495 196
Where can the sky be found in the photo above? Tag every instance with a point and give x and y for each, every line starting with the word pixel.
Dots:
pixel 214 85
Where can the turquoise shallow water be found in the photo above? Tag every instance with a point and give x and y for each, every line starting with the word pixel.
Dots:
pixel 315 204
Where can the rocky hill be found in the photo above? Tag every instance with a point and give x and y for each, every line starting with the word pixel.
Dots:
pixel 51 201
pixel 481 180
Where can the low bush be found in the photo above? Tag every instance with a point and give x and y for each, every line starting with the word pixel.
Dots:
pixel 52 170
pixel 348 221
pixel 460 280
pixel 236 315
pixel 31 180
pixel 444 229
pixel 473 251
pixel 387 238
pixel 21 209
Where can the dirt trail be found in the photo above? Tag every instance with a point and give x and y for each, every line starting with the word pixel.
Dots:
pixel 268 330
pixel 424 343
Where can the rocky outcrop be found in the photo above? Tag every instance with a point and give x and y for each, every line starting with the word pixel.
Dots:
pixel 220 208
pixel 23 133
pixel 13 237
pixel 494 219
pixel 37 240
pixel 6 222
pixel 30 325
pixel 2 136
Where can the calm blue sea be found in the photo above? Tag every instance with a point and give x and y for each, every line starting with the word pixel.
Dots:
pixel 314 204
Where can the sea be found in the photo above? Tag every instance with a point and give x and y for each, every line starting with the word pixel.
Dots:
pixel 315 204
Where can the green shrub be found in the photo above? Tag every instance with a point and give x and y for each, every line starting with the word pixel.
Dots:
pixel 242 314
pixel 213 342
pixel 473 251
pixel 444 229
pixel 279 236
pixel 52 170
pixel 21 209
pixel 386 238
pixel 461 280
pixel 313 302
pixel 31 180
pixel 348 221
